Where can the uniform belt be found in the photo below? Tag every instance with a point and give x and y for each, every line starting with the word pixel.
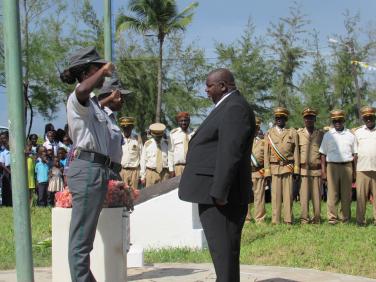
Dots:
pixel 93 157
pixel 255 169
pixel 282 163
pixel 311 166
pixel 131 168
pixel 116 167
pixel 342 163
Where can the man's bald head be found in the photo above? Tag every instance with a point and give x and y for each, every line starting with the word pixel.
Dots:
pixel 223 75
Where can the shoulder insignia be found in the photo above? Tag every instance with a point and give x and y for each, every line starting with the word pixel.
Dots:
pixel 147 143
pixel 355 129
pixel 174 130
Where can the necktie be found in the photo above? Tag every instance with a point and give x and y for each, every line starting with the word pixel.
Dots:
pixel 186 141
pixel 159 164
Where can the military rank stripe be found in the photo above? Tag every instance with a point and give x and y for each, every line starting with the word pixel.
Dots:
pixel 254 161
pixel 278 154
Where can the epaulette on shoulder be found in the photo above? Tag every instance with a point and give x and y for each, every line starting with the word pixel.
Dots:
pixel 174 130
pixel 300 129
pixel 353 130
pixel 147 143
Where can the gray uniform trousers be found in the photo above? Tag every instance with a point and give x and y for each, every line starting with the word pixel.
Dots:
pixel 87 182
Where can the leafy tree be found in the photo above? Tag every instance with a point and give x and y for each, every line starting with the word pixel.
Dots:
pixel 316 86
pixel 286 43
pixel 162 17
pixel 253 71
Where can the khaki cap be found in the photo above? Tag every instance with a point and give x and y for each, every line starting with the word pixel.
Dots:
pixel 309 112
pixel 157 129
pixel 337 114
pixel 367 111
pixel 125 121
pixel 281 112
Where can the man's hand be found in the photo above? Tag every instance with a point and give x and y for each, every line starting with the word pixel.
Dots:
pixel 219 202
pixel 323 176
pixel 115 96
pixel 172 174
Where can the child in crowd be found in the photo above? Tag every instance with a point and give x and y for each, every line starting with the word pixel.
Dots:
pixel 30 165
pixel 33 139
pixel 55 183
pixel 40 152
pixel 67 143
pixel 41 170
pixel 50 158
pixel 51 142
pixel 62 155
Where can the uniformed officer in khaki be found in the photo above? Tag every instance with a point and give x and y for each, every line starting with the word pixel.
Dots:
pixel 258 187
pixel 365 144
pixel 154 157
pixel 281 162
pixel 178 144
pixel 337 167
pixel 310 166
pixel 132 149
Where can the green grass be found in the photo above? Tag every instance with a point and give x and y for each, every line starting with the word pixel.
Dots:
pixel 343 248
pixel 41 230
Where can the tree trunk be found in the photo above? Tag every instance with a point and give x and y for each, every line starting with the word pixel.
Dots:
pixel 159 94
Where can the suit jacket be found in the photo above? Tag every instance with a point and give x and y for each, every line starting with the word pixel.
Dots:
pixel 218 159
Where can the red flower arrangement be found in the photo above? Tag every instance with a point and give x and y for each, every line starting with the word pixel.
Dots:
pixel 118 194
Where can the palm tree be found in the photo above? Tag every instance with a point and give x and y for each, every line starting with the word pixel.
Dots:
pixel 161 17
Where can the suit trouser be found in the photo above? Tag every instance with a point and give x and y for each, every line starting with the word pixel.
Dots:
pixel 130 176
pixel 88 184
pixel 365 184
pixel 310 190
pixel 339 189
pixel 179 168
pixel 6 190
pixel 259 198
pixel 282 190
pixel 152 176
pixel 223 228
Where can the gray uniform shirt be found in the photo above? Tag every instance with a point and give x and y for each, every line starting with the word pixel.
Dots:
pixel 115 151
pixel 88 125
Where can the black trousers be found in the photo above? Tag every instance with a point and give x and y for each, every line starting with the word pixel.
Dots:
pixel 6 190
pixel 223 228
pixel 42 194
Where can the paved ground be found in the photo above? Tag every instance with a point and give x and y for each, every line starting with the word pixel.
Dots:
pixel 205 272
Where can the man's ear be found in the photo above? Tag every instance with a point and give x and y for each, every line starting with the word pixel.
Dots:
pixel 224 87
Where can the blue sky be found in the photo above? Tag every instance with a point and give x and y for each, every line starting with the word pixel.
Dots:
pixel 224 21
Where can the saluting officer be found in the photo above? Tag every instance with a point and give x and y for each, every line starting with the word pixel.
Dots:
pixel 258 187
pixel 111 97
pixel 366 164
pixel 154 157
pixel 88 173
pixel 178 144
pixel 281 162
pixel 132 149
pixel 310 140
pixel 338 167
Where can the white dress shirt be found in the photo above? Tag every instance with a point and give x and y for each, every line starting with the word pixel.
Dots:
pixel 338 146
pixel 177 140
pixel 365 144
pixel 149 156
pixel 132 149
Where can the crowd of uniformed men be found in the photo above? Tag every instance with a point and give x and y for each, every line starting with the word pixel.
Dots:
pixel 334 156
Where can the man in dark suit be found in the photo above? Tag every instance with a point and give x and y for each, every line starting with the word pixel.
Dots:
pixel 217 175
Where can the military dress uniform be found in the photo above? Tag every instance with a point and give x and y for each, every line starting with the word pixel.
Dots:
pixel 154 157
pixel 130 161
pixel 310 170
pixel 258 180
pixel 339 150
pixel 365 144
pixel 281 162
pixel 177 149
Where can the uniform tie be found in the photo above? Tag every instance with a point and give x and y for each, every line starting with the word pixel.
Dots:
pixel 186 141
pixel 159 164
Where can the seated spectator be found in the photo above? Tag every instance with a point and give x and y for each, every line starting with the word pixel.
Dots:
pixel 41 171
